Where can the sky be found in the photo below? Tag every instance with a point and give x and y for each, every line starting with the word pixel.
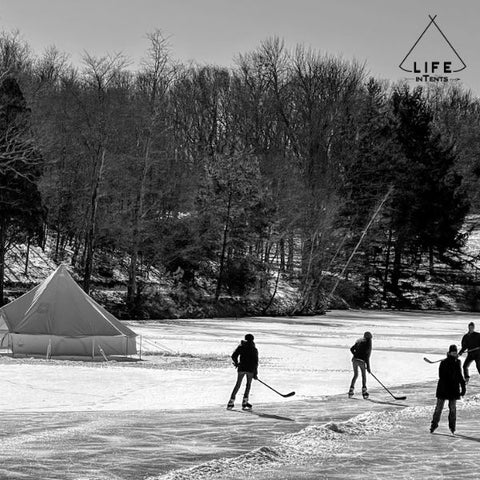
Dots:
pixel 378 33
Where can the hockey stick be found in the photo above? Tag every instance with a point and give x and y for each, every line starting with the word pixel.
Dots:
pixel 291 394
pixel 436 361
pixel 472 350
pixel 396 398
pixel 432 361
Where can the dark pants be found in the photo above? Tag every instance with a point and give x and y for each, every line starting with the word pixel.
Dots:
pixel 452 413
pixel 240 376
pixel 470 358
pixel 359 364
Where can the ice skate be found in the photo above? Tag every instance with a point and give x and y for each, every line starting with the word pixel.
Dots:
pixel 350 393
pixel 365 393
pixel 246 405
pixel 230 404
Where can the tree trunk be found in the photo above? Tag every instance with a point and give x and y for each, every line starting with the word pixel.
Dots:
pixel 2 259
pixel 306 255
pixel 431 264
pixel 224 248
pixel 27 256
pixel 387 264
pixel 268 249
pixel 132 270
pixel 57 244
pixel 259 249
pixel 291 249
pixel 366 278
pixel 44 239
pixel 88 258
pixel 281 246
pixel 309 279
pixel 397 265
pixel 90 237
pixel 132 288
pixel 272 297
pixel 76 250
pixel 132 278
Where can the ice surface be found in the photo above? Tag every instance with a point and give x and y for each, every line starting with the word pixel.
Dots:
pixel 375 444
pixel 166 414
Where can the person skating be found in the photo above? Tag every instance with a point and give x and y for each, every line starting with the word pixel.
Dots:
pixel 361 351
pixel 451 386
pixel 245 359
pixel 471 343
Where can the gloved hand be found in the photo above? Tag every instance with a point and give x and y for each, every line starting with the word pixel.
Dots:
pixel 368 370
pixel 463 392
pixel 255 377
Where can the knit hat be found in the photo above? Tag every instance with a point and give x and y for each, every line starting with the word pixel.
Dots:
pixel 452 349
pixel 367 335
pixel 249 337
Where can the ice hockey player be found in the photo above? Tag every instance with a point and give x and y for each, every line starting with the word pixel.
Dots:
pixel 451 386
pixel 361 360
pixel 471 343
pixel 245 359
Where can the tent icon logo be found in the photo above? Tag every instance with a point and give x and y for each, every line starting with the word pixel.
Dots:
pixel 432 57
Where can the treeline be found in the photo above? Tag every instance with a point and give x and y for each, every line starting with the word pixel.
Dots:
pixel 275 166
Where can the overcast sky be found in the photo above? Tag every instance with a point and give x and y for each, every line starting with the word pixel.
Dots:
pixel 377 32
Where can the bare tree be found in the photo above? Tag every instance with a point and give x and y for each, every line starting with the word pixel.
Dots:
pixel 96 102
pixel 326 91
pixel 153 83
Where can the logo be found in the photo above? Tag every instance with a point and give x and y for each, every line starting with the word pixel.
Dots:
pixel 432 57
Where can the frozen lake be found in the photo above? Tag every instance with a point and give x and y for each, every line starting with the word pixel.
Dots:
pixel 165 415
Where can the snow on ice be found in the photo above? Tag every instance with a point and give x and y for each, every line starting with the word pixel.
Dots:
pixel 165 417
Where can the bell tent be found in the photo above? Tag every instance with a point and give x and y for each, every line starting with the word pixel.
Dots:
pixel 58 318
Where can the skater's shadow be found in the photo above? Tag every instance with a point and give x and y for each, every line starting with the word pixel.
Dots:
pixel 458 435
pixel 466 437
pixel 265 415
pixel 387 403
pixel 380 402
pixel 444 434
pixel 273 417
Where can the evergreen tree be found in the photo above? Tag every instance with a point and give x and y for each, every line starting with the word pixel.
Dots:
pixel 398 146
pixel 428 206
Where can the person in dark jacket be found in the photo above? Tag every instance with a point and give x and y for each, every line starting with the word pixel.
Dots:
pixel 245 359
pixel 451 386
pixel 361 360
pixel 470 342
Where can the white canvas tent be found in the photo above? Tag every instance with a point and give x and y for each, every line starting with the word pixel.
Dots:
pixel 58 317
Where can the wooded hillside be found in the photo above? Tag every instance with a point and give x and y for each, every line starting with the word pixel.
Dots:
pixel 292 167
